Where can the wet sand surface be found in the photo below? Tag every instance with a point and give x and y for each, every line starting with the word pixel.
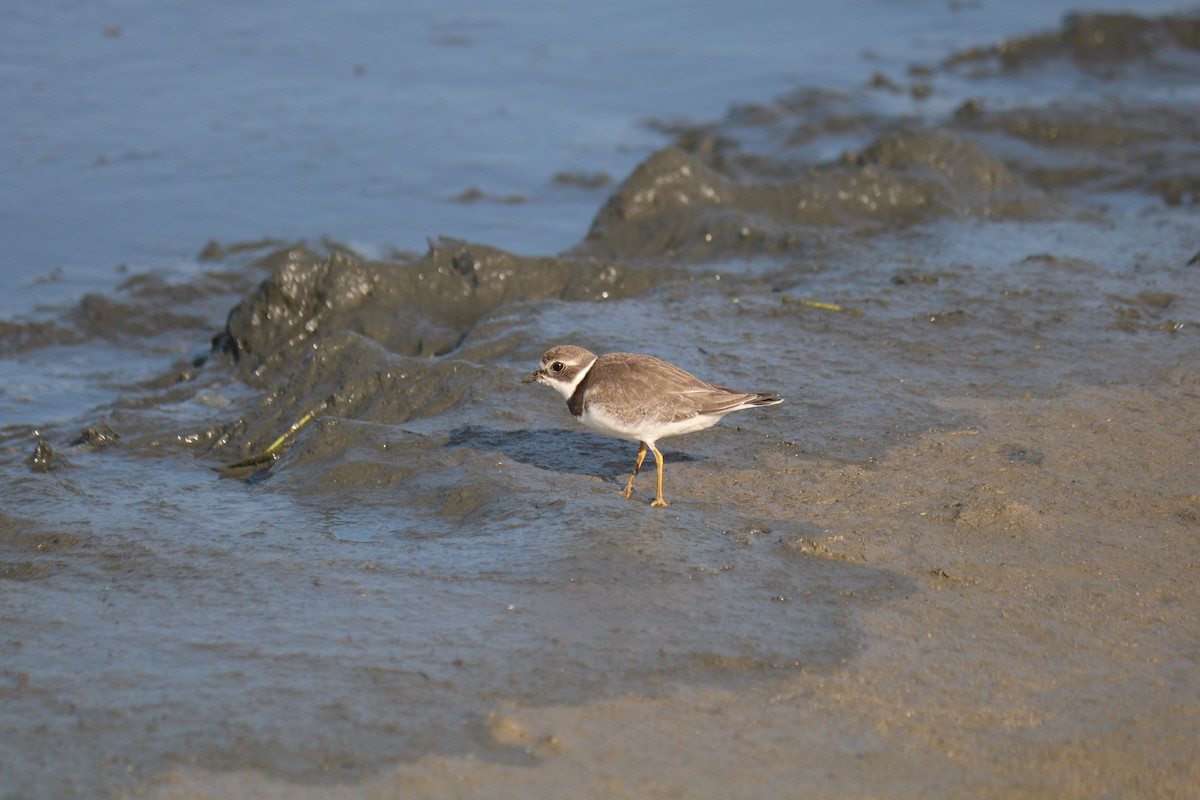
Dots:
pixel 959 560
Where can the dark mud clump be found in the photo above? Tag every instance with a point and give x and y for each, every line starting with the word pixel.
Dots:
pixel 1143 142
pixel 43 458
pixel 1093 42
pixel 419 307
pixel 340 334
pixel 678 203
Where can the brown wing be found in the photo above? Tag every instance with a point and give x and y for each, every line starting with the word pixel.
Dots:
pixel 666 391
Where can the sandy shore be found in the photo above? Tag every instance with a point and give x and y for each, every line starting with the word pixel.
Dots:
pixel 1044 644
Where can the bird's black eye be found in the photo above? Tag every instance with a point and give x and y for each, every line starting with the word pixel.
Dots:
pixel 558 366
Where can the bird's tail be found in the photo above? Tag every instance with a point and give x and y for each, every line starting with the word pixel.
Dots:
pixel 768 399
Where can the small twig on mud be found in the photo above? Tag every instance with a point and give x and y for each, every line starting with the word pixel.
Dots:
pixel 813 304
pixel 274 450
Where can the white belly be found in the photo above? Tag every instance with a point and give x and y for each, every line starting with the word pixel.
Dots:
pixel 646 429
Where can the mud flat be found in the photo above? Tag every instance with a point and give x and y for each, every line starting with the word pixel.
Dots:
pixel 960 560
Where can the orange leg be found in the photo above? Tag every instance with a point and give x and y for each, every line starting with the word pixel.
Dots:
pixel 659 502
pixel 628 490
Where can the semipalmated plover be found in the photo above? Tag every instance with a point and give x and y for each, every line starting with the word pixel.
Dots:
pixel 639 399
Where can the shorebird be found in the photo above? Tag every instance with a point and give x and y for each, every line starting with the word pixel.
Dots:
pixel 638 398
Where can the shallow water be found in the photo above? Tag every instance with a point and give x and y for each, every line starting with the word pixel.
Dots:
pixel 1004 226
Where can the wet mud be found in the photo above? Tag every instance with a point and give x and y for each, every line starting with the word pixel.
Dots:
pixel 959 559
